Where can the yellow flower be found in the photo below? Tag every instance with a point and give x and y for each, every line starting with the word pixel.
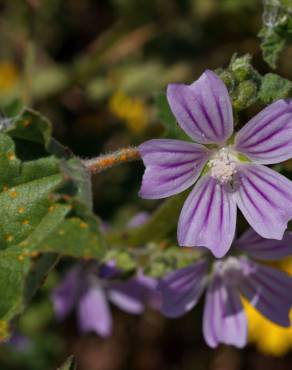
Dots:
pixel 8 76
pixel 4 330
pixel 269 338
pixel 133 111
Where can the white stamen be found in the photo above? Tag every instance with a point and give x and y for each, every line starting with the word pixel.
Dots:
pixel 223 165
pixel 229 264
pixel 230 269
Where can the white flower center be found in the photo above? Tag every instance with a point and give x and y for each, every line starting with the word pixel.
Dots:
pixel 229 264
pixel 223 165
pixel 230 269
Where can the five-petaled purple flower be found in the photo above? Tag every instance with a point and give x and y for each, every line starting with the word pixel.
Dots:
pixel 89 290
pixel 224 321
pixel 233 173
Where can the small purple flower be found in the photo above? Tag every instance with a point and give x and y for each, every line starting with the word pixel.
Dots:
pixel 20 342
pixel 90 291
pixel 138 220
pixel 224 321
pixel 233 173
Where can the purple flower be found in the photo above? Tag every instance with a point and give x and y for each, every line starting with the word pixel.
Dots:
pixel 89 292
pixel 138 220
pixel 20 342
pixel 224 321
pixel 233 172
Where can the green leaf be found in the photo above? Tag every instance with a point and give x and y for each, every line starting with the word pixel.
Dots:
pixel 12 279
pixel 272 45
pixel 23 206
pixel 277 30
pixel 45 207
pixel 74 171
pixel 242 82
pixel 273 88
pixel 38 273
pixel 68 365
pixel 13 108
pixel 161 224
pixel 31 126
pixel 171 128
pixel 246 95
pixel 76 236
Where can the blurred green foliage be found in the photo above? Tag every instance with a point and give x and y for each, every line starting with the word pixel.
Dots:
pixel 277 29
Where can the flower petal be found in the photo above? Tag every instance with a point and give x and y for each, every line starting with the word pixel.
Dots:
pixel 267 137
pixel 66 294
pixel 108 270
pixel 265 199
pixel 171 166
pixel 269 291
pixel 138 220
pixel 134 294
pixel 203 109
pixel 224 319
pixel 94 313
pixel 181 289
pixel 208 217
pixel 266 249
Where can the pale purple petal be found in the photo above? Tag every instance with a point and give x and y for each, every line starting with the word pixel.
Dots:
pixel 269 291
pixel 203 109
pixel 267 137
pixel 224 319
pixel 208 217
pixel 171 166
pixel 266 249
pixel 66 294
pixel 20 342
pixel 134 294
pixel 180 290
pixel 138 220
pixel 94 313
pixel 265 199
pixel 152 296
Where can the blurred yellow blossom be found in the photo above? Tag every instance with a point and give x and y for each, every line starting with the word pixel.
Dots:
pixel 4 330
pixel 133 111
pixel 269 338
pixel 9 75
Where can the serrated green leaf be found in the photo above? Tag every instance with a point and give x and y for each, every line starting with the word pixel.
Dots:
pixel 45 206
pixel 23 206
pixel 74 170
pixel 277 30
pixel 274 87
pixel 272 45
pixel 76 236
pixel 31 126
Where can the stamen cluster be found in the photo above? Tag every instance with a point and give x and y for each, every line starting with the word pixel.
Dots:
pixel 223 166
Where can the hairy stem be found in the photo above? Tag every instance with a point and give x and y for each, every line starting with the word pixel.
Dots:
pixel 106 161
